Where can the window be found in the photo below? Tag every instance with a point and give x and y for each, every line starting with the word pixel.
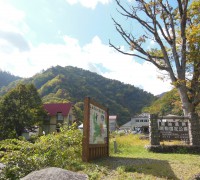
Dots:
pixel 137 120
pixel 141 120
pixel 59 116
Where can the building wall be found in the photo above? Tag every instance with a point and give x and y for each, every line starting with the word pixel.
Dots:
pixel 53 120
pixel 70 118
pixel 50 126
pixel 112 125
pixel 139 122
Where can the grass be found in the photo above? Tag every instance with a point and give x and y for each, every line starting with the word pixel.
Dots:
pixel 133 161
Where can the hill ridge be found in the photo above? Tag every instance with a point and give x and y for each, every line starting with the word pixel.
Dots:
pixel 58 84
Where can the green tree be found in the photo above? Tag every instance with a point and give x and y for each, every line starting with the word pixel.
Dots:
pixel 20 108
pixel 169 103
pixel 70 84
pixel 174 28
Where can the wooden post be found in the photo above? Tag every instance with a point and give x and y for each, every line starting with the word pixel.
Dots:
pixel 115 146
pixel 108 132
pixel 86 125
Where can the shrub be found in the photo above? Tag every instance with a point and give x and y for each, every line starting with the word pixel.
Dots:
pixel 56 150
pixel 33 138
pixel 180 149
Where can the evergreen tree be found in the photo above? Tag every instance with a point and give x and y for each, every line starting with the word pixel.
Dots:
pixel 21 108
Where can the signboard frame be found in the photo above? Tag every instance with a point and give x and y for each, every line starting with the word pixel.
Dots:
pixel 91 151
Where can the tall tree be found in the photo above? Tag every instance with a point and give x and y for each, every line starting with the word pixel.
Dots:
pixel 174 28
pixel 21 108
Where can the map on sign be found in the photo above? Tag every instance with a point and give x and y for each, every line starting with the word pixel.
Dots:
pixel 98 125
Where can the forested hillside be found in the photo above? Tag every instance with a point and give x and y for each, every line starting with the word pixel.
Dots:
pixel 6 78
pixel 169 103
pixel 59 84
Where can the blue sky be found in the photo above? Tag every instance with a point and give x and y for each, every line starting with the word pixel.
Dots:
pixel 38 34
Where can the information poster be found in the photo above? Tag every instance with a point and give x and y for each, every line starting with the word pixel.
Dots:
pixel 98 125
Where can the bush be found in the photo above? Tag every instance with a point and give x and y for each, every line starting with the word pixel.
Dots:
pixel 33 138
pixel 56 150
pixel 180 149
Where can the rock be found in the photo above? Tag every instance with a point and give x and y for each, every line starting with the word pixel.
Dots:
pixel 196 177
pixel 54 173
pixel 1 166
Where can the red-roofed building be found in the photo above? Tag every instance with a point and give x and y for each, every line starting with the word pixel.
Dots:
pixel 58 113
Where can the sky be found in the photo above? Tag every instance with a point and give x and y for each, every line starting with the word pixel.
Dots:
pixel 38 34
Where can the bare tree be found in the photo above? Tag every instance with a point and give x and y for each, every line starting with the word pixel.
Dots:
pixel 168 24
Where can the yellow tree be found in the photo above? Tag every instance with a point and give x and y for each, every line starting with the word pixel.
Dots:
pixel 173 26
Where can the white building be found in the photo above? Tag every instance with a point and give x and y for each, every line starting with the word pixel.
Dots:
pixel 140 122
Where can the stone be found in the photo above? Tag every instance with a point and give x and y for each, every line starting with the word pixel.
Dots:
pixel 54 173
pixel 1 166
pixel 196 177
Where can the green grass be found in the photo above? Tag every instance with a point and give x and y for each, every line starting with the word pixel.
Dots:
pixel 133 161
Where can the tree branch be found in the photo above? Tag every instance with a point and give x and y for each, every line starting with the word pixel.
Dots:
pixel 136 55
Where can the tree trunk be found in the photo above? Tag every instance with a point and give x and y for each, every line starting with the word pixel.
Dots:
pixel 194 129
pixel 186 105
pixel 194 119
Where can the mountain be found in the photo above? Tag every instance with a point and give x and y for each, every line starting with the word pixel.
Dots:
pixel 58 84
pixel 6 78
pixel 161 95
pixel 168 103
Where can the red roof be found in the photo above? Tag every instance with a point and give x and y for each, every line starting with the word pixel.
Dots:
pixel 53 109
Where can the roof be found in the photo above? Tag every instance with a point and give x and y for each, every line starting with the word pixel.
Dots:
pixel 126 124
pixel 53 109
pixel 143 115
pixel 113 117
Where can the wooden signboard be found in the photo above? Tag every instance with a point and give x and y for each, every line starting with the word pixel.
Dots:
pixel 95 131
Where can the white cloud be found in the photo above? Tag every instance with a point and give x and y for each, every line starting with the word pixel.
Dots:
pixel 131 1
pixel 11 18
pixel 88 3
pixel 21 58
pixel 120 67
pixel 12 28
